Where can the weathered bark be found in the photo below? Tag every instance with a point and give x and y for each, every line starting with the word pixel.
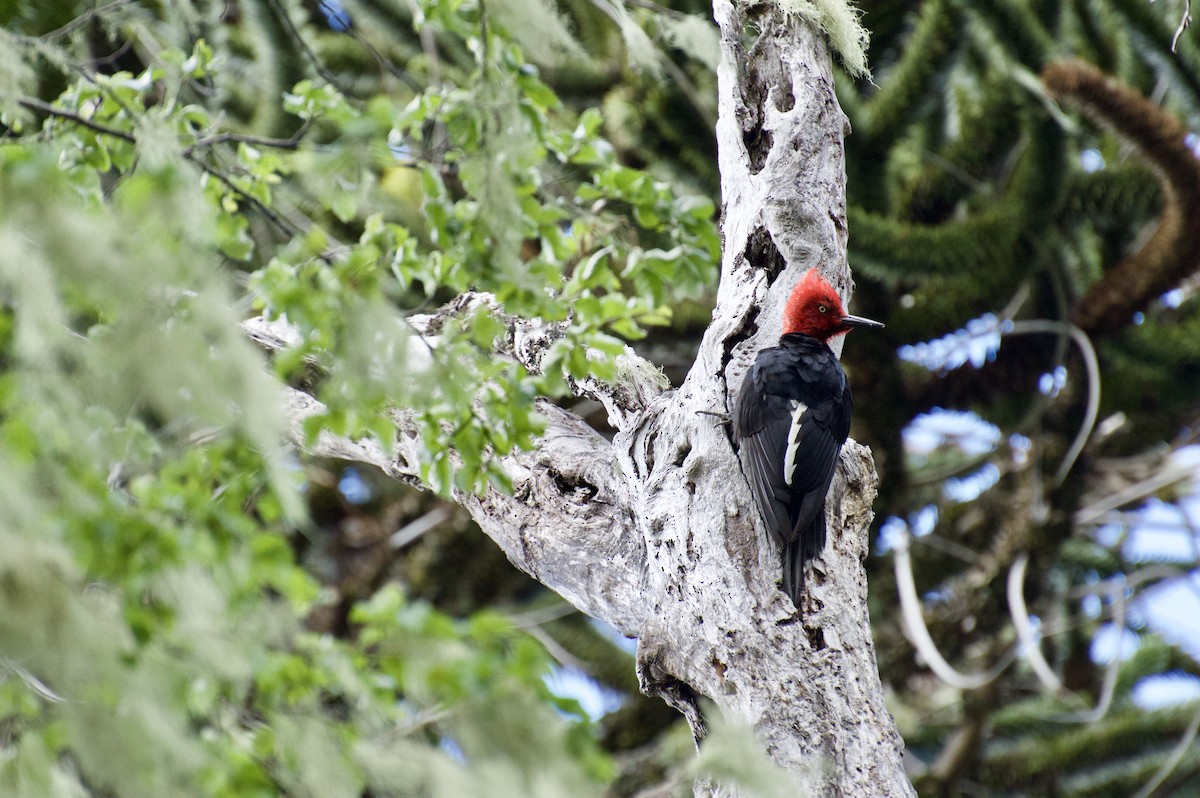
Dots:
pixel 656 532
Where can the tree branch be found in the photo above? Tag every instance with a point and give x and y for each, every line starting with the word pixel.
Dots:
pixel 656 532
pixel 1171 254
pixel 568 522
pixel 638 382
pixel 290 143
pixel 34 104
pixel 189 153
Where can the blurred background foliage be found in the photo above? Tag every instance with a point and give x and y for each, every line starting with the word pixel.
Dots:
pixel 190 608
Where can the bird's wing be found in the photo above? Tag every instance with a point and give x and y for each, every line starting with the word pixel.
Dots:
pixel 789 443
pixel 792 415
pixel 811 450
pixel 761 431
pixel 761 458
pixel 808 464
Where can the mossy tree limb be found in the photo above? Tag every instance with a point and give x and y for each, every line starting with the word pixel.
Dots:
pixel 1171 254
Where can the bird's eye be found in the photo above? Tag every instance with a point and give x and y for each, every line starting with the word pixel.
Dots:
pixel 823 308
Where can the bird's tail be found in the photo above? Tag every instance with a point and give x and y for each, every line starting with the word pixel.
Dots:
pixel 797 553
pixel 793 570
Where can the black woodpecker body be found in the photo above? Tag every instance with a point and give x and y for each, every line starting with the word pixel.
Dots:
pixel 791 419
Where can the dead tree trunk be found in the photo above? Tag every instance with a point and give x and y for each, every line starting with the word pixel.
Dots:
pixel 656 532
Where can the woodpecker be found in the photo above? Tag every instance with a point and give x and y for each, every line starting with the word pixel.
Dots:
pixel 791 419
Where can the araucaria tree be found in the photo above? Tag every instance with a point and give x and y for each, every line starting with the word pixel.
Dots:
pixel 439 257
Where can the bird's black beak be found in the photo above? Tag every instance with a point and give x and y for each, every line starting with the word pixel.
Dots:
pixel 859 321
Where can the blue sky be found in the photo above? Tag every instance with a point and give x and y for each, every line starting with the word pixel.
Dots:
pixel 1156 532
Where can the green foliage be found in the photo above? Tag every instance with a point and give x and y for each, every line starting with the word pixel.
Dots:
pixel 1072 749
pixel 167 169
pixel 519 199
pixel 907 82
pixel 730 756
pixel 974 189
pixel 154 609
pixel 1020 30
pixel 146 577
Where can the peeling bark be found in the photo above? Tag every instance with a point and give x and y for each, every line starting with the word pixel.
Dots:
pixel 656 532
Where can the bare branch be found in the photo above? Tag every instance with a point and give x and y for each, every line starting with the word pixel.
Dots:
pixel 290 143
pixel 413 530
pixel 567 523
pixel 1091 365
pixel 1185 20
pixel 35 104
pixel 918 632
pixel 564 525
pixel 1030 646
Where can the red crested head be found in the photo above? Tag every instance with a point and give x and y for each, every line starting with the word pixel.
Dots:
pixel 815 309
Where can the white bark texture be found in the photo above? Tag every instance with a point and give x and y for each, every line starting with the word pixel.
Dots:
pixel 656 532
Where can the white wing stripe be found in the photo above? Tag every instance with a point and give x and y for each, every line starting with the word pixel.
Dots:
pixel 789 457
